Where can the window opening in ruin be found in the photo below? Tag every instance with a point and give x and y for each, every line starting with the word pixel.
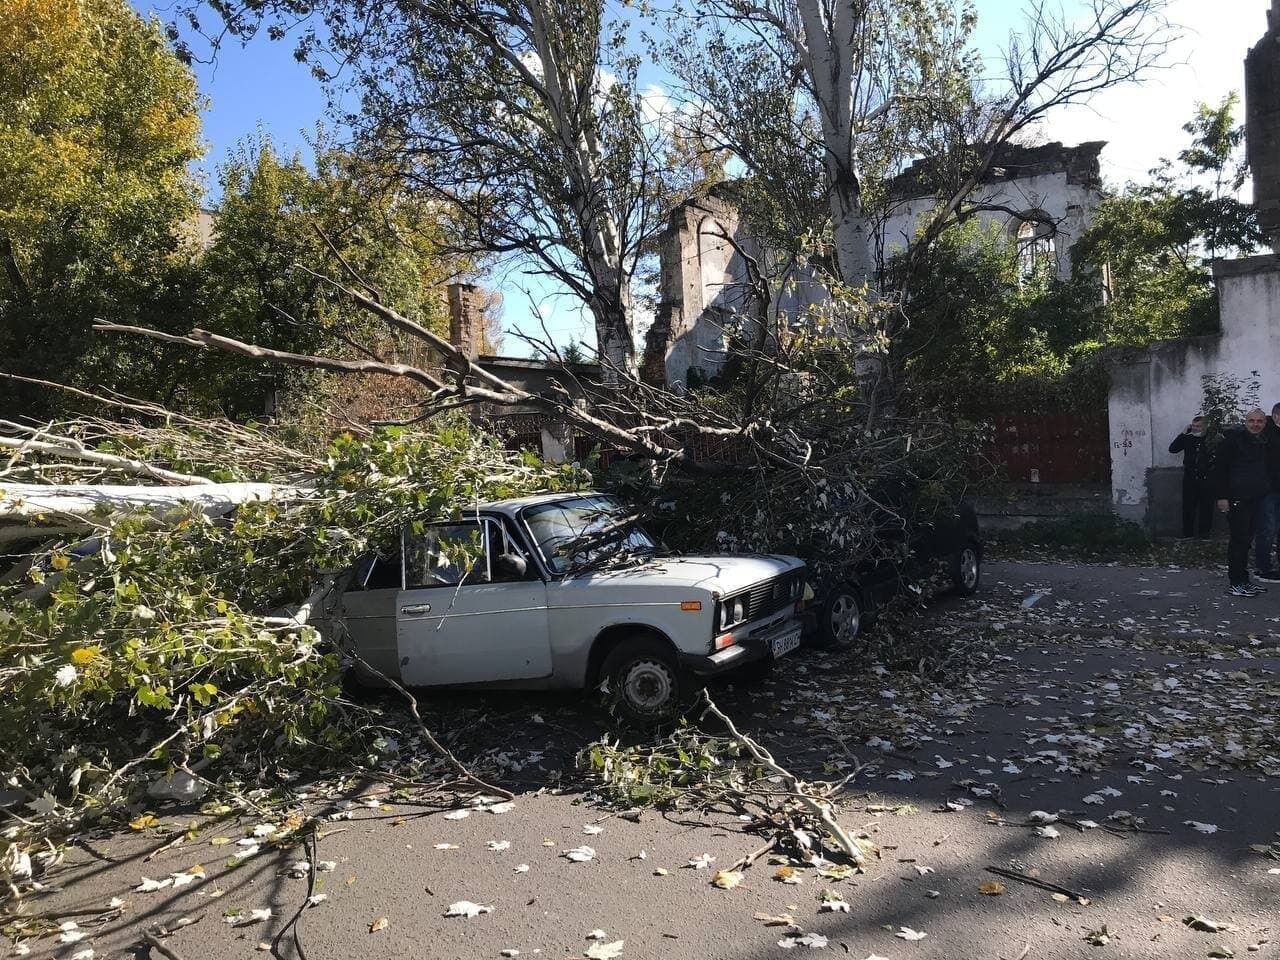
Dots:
pixel 1035 246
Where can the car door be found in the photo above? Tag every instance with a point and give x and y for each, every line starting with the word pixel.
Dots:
pixel 456 622
pixel 369 609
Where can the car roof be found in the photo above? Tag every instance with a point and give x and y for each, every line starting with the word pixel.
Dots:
pixel 514 506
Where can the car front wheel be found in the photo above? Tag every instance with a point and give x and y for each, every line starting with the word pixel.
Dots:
pixel 643 680
pixel 840 619
pixel 966 569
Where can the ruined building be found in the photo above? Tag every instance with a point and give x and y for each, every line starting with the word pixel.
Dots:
pixel 1043 196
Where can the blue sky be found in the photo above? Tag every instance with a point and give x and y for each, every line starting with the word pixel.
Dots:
pixel 262 87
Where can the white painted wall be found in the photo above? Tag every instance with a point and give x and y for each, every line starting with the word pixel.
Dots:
pixel 1156 391
pixel 1069 206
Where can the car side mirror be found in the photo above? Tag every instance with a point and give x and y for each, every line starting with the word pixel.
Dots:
pixel 510 566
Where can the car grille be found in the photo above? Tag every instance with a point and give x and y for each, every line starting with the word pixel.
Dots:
pixel 765 599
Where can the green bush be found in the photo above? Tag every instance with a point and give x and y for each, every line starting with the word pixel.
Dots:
pixel 1100 533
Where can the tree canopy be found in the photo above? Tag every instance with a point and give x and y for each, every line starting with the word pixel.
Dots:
pixel 1151 243
pixel 98 127
pixel 279 228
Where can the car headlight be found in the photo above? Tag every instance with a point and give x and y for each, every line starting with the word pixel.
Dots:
pixel 725 613
pixel 739 610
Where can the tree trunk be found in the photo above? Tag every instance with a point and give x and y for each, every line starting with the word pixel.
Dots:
pixel 31 511
pixel 854 263
pixel 613 322
pixel 828 57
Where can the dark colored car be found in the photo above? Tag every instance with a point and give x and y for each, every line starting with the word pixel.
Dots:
pixel 948 539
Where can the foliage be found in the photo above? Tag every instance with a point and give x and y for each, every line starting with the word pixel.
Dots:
pixel 1155 240
pixel 98 127
pixel 866 477
pixel 1094 534
pixel 1226 400
pixel 523 117
pixel 977 327
pixel 274 226
pixel 687 764
pixel 163 649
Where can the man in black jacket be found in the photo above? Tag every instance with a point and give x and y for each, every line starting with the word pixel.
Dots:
pixel 1197 490
pixel 1264 539
pixel 1240 471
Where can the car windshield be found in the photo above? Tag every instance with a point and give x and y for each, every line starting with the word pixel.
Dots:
pixel 584 531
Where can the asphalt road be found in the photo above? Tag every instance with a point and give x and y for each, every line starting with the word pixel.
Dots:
pixel 1138 699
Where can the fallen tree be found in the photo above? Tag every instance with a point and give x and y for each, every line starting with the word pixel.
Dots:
pixel 181 645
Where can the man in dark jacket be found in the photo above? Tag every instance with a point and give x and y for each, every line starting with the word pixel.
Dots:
pixel 1197 488
pixel 1264 540
pixel 1240 472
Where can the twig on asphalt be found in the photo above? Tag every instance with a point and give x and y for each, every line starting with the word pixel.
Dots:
pixel 155 943
pixel 312 847
pixel 1036 882
pixel 458 766
pixel 744 862
pixel 821 809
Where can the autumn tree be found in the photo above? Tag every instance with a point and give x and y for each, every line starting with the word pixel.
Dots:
pixel 522 116
pixel 277 225
pixel 98 126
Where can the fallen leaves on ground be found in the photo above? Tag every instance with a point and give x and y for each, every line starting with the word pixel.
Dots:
pixel 465 908
pixel 604 951
pixel 814 941
pixel 381 924
pixel 992 888
pixel 726 879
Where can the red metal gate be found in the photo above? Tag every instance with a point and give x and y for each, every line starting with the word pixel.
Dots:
pixel 1052 447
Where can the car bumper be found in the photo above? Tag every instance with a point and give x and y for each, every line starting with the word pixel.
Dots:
pixel 752 648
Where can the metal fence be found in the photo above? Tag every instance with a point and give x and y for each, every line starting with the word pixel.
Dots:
pixel 1052 447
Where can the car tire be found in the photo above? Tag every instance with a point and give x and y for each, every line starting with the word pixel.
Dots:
pixel 841 617
pixel 643 680
pixel 966 569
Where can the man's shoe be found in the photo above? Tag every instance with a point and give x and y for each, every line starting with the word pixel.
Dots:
pixel 1242 590
pixel 1267 577
pixel 1257 587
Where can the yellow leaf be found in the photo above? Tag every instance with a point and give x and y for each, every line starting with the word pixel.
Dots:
pixel 196 870
pixel 59 561
pixel 786 875
pixel 841 871
pixel 379 924
pixel 142 821
pixel 220 841
pixel 726 879
pixel 992 888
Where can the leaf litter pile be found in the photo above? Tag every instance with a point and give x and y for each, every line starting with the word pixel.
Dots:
pixel 799 765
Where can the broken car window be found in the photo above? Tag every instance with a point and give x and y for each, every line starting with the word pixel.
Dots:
pixel 576 533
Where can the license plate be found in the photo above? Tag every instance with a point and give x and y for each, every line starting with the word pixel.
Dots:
pixel 785 644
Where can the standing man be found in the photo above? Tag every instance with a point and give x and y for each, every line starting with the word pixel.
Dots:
pixel 1240 471
pixel 1197 489
pixel 1264 540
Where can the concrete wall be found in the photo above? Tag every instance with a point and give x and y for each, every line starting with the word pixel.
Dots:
pixel 1157 390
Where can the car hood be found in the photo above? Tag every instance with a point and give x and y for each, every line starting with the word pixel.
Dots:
pixel 724 574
